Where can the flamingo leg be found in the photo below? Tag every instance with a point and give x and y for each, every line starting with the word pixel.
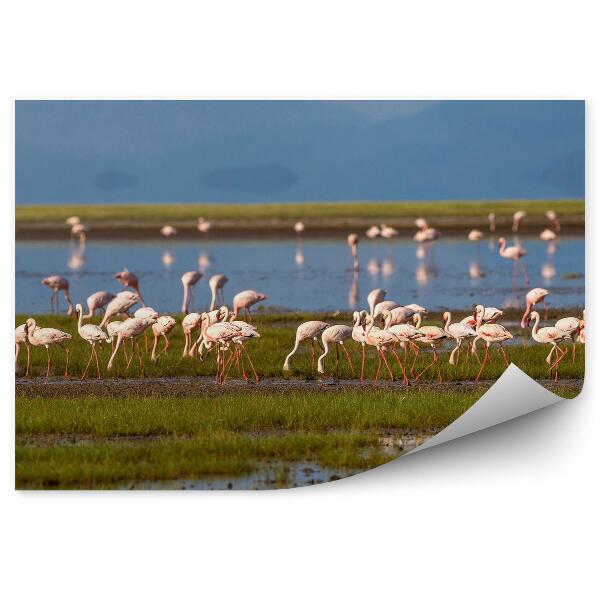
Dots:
pixel 131 357
pixel 404 377
pixel 417 351
pixel 387 365
pixel 437 362
pixel 256 377
pixel 28 359
pixel 48 366
pixel 146 339
pixel 431 364
pixel 378 367
pixel 97 361
pixel 167 344
pixel 561 353
pixel 154 358
pixel 349 360
pixel 68 353
pixel 229 364
pixel 313 354
pixel 139 355
pixel 362 365
pixel 573 360
pixel 503 352
pixel 485 359
pixel 89 362
pixel 337 361
pixel 240 353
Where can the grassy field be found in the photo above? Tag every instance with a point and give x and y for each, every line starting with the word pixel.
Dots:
pixel 98 436
pixel 317 215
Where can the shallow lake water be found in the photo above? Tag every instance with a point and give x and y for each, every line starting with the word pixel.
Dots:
pixel 315 274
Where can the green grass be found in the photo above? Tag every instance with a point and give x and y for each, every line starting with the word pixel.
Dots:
pixel 277 339
pixel 318 211
pixel 105 442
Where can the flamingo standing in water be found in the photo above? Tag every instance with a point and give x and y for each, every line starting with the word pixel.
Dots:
pixel 490 333
pixel 128 279
pixel 96 301
pixel 48 336
pixel 374 298
pixel 475 235
pixel 549 335
pixel 57 283
pixel 547 235
pixel 570 326
pixel 382 340
pixel 353 245
pixel 373 232
pixel 72 221
pixel 189 280
pixel 514 253
pixel 216 284
pixel 533 297
pixel 359 335
pixel 492 221
pixel 299 227
pixel 131 329
pixel 203 225
pixel 161 328
pixel 93 335
pixel 79 231
pixel 336 334
pixel 119 305
pixel 168 231
pixel 246 300
pixel 553 218
pixel 311 330
pixel 460 333
pixel 518 218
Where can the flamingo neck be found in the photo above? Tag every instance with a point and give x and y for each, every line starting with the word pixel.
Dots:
pixel 536 323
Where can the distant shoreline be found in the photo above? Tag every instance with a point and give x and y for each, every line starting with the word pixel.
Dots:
pixel 233 220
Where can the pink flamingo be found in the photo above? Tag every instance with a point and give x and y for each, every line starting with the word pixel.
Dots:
pixel 352 240
pixel 475 235
pixel 406 334
pixel 387 232
pixel 216 284
pixel 161 328
pixel 336 334
pixel 492 221
pixel 299 227
pixel 79 230
pixel 206 319
pixel 549 335
pixel 459 332
pixel 128 279
pixel 93 335
pixel 553 218
pixel 203 225
pixel 191 322
pixel 398 315
pixel 382 340
pixel 247 332
pixel 373 232
pixel 514 253
pixel 490 333
pixel 374 298
pixel 533 297
pixel 168 231
pixel 547 235
pixel 189 281
pixel 306 331
pixel 425 233
pixel 518 218
pixel 245 300
pixel 57 283
pixel 47 336
pixel 219 335
pixel 97 301
pixel 570 326
pixel 119 305
pixel 131 329
pixel 146 312
pixel 380 307
pixel 359 335
pixel 21 337
pixel 434 337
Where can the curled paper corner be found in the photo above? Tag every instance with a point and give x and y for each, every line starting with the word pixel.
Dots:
pixel 513 395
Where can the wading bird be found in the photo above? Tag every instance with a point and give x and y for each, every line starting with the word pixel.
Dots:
pixel 373 232
pixel 72 221
pixel 189 280
pixel 518 218
pixel 93 335
pixel 492 221
pixel 246 300
pixel 382 340
pixel 533 297
pixel 433 337
pixel 336 334
pixel 208 318
pixel 311 330
pixel 119 305
pixel 549 335
pixel 459 332
pixel 21 337
pixel 547 235
pixel 374 298
pixel 168 231
pixel 475 235
pixel 161 328
pixel 191 322
pixel 299 227
pixel 203 225
pixel 131 329
pixel 48 336
pixel 219 335
pixel 359 335
pixel 247 332
pixel 387 232
pixel 406 334
pixel 384 305
pixel 553 218
pixel 353 245
pixel 128 279
pixel 490 333
pixel 79 231
pixel 570 326
pixel 57 283
pixel 514 253
pixel 97 301
pixel 146 312
pixel 216 284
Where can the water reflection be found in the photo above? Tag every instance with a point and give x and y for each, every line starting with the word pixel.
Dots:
pixel 299 256
pixel 168 258
pixel 353 292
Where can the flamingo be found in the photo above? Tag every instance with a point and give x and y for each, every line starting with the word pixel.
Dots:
pixel 514 253
pixel 387 232
pixel 490 314
pixel 490 333
pixel 245 300
pixel 219 335
pixel 547 235
pixel 532 298
pixel 353 245
pixel 189 280
pixel 553 218
pixel 21 337
pixel 57 283
pixel 210 318
pixel 247 332
pixel 518 218
pixel 93 335
pixel 570 326
pixel 492 221
pixel 79 230
pixel 191 322
pixel 373 232
pixel 112 330
pixel 119 305
pixel 299 227
pixel 406 333
pixel 382 340
pixel 146 312
pixel 384 305
pixel 460 333
pixel 417 308
pixel 425 233
pixel 72 221
pixel 168 231
pixel 581 336
pixel 434 337
pixel 549 335
pixel 336 334
pixel 216 284
pixel 311 330
pixel 398 314
pixel 161 328
pixel 475 235
pixel 131 329
pixel 47 336
pixel 98 300
pixel 358 335
pixel 374 298
pixel 128 279
pixel 203 225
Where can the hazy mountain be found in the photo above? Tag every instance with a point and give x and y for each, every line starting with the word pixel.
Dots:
pixel 236 151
